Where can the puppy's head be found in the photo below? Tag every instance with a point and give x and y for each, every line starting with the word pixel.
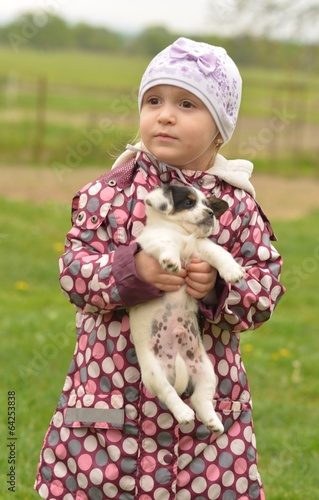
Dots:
pixel 187 207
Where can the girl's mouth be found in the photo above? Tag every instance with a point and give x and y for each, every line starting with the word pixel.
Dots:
pixel 165 137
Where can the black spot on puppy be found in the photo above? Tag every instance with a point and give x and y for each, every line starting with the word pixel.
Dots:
pixel 190 355
pixel 184 198
pixel 217 206
pixel 163 207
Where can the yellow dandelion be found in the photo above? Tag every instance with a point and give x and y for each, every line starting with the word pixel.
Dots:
pixel 284 353
pixel 58 247
pixel 275 356
pixel 21 285
pixel 248 347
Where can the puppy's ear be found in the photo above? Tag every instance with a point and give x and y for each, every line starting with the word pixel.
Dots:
pixel 218 206
pixel 159 200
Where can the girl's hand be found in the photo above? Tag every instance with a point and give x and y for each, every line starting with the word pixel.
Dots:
pixel 149 269
pixel 201 278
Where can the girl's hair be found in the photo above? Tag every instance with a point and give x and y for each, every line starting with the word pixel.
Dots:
pixel 128 154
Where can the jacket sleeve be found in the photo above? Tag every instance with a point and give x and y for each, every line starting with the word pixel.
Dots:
pixel 97 270
pixel 247 234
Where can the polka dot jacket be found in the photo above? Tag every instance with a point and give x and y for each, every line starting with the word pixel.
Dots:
pixel 111 439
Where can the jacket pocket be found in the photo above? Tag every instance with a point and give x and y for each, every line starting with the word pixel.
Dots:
pixel 95 410
pixel 228 406
pixel 231 411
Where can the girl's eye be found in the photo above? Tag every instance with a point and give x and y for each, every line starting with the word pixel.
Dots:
pixel 186 104
pixel 153 100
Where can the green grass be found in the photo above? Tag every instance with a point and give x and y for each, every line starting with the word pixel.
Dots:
pixel 73 68
pixel 282 359
pixel 119 71
pixel 37 326
pixel 82 91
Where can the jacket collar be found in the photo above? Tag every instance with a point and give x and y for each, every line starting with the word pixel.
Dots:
pixel 235 172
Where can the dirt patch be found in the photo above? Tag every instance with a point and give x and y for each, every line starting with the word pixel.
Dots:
pixel 279 197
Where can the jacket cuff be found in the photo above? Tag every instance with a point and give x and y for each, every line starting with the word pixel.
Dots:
pixel 132 289
pixel 212 305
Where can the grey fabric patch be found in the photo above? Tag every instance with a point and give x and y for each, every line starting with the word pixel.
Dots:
pixel 93 415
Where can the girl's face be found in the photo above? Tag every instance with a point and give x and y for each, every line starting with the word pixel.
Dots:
pixel 177 128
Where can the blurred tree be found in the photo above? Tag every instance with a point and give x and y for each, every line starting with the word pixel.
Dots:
pixel 45 31
pixel 151 41
pixel 55 34
pixel 95 38
pixel 241 20
pixel 275 19
pixel 40 30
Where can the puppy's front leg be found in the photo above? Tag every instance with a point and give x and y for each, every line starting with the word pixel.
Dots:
pixel 164 248
pixel 170 259
pixel 222 260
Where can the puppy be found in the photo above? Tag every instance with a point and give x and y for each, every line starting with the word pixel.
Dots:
pixel 165 331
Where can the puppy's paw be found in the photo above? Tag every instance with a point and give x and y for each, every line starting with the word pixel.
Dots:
pixel 232 273
pixel 170 264
pixel 185 415
pixel 214 425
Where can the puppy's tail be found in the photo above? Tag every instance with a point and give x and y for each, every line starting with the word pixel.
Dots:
pixel 181 380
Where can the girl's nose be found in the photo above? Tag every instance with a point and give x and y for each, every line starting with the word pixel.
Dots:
pixel 166 115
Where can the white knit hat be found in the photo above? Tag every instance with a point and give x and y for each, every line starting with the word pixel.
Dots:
pixel 206 71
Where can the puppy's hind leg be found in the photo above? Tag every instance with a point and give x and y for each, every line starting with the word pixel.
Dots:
pixel 202 397
pixel 153 373
pixel 154 379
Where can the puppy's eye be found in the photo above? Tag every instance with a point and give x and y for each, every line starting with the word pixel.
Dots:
pixel 188 203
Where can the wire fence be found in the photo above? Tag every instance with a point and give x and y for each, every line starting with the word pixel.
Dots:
pixel 46 124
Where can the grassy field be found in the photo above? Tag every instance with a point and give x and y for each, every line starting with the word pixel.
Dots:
pixel 58 105
pixel 37 326
pixel 76 109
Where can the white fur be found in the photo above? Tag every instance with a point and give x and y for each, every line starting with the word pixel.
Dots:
pixel 167 327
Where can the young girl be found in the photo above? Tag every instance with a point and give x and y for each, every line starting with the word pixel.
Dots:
pixel 109 438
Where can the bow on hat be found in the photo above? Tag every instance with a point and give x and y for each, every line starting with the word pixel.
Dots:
pixel 206 61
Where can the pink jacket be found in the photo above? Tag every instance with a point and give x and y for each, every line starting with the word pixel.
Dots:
pixel 109 438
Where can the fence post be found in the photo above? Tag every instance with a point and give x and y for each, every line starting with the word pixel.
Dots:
pixel 40 118
pixel 12 88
